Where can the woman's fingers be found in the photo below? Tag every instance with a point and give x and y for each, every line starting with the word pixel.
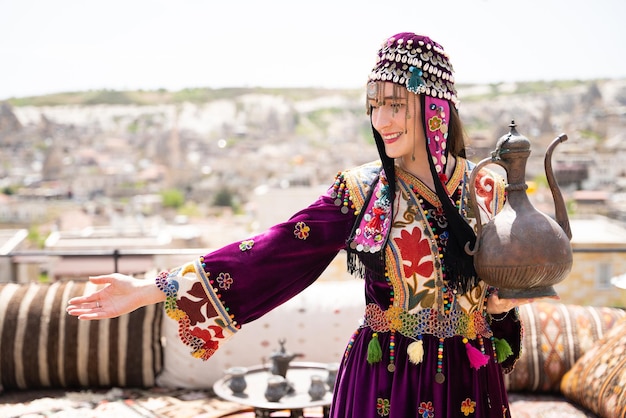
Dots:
pixel 94 296
pixel 497 305
pixel 92 306
pixel 118 294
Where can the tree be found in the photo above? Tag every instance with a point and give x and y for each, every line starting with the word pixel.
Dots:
pixel 172 198
pixel 223 198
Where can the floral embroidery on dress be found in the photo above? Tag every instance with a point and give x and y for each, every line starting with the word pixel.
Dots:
pixel 415 250
pixel 468 406
pixel 194 307
pixel 246 245
pixel 418 266
pixel 189 312
pixel 378 217
pixel 373 229
pixel 301 230
pixel 438 215
pixel 426 410
pixel 204 322
pixel 382 407
pixel 224 281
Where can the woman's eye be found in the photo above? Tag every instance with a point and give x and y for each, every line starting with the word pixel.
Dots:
pixel 396 107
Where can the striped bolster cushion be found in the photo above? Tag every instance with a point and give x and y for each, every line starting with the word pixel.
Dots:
pixel 556 335
pixel 42 346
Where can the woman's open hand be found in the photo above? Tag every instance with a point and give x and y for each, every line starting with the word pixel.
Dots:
pixel 120 295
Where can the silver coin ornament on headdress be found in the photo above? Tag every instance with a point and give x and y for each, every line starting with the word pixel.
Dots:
pixel 417 63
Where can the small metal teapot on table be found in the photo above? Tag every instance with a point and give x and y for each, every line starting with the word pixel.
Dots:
pixel 280 364
pixel 521 251
pixel 281 359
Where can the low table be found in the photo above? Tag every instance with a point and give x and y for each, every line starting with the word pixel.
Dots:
pixel 298 376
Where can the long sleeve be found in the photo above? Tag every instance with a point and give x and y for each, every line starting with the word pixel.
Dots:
pixel 510 329
pixel 211 297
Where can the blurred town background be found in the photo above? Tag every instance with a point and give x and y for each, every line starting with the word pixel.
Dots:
pixel 137 181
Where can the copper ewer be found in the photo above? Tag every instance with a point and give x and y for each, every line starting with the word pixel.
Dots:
pixel 521 251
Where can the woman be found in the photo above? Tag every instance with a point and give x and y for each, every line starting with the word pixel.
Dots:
pixel 435 339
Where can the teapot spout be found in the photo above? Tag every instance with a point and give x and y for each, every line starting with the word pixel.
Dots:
pixel 560 211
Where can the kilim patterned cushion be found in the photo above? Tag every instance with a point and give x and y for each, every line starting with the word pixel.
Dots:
pixel 556 335
pixel 598 379
pixel 42 346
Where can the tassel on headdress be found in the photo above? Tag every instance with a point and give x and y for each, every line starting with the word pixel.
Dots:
pixel 416 80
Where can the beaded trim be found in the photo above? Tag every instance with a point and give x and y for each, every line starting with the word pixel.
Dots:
pixel 427 321
pixel 352 186
pixel 341 194
pixel 225 318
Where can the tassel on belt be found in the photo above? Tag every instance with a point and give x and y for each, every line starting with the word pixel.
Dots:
pixel 470 326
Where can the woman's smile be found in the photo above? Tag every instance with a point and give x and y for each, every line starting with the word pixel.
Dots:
pixel 391 138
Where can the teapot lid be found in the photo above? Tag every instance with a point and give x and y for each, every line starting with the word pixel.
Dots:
pixel 512 142
pixel 281 353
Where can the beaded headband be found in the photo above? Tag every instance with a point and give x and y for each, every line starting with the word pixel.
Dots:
pixel 417 63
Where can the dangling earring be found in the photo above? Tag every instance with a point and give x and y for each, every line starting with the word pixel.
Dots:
pixel 407 114
pixel 414 123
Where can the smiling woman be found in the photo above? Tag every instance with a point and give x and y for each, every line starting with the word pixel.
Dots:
pixel 435 339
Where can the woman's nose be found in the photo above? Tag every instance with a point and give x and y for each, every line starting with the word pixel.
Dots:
pixel 381 117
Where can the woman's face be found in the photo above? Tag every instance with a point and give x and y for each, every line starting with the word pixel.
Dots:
pixel 396 114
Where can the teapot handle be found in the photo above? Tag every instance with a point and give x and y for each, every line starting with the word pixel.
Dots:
pixel 560 211
pixel 474 203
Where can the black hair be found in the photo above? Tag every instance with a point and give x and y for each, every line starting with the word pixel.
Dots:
pixel 459 265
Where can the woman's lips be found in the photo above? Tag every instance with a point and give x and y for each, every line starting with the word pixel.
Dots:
pixel 390 138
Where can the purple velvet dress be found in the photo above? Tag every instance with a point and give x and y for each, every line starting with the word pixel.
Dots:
pixel 424 350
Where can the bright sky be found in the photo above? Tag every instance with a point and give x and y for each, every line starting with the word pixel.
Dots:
pixel 49 46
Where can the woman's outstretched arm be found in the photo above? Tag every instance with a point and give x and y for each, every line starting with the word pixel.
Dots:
pixel 120 295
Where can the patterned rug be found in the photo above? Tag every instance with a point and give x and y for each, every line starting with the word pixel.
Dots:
pixel 544 406
pixel 118 403
pixel 167 403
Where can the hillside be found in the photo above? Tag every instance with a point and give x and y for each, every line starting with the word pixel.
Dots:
pixel 228 142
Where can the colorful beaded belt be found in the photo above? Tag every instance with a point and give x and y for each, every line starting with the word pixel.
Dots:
pixel 427 321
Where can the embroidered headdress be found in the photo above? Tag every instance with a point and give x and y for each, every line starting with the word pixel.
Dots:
pixel 421 66
pixel 417 63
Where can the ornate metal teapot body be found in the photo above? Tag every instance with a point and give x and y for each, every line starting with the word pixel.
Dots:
pixel 521 251
pixel 281 359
